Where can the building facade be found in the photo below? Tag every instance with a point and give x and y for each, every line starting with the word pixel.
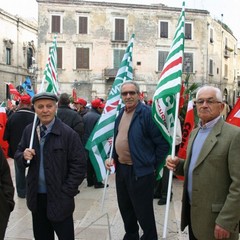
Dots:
pixel 18 46
pixel 92 38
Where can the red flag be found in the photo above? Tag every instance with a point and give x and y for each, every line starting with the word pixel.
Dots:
pixel 74 94
pixel 187 129
pixel 181 100
pixel 3 121
pixel 234 115
pixel 13 91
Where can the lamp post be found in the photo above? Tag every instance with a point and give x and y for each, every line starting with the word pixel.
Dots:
pixel 33 70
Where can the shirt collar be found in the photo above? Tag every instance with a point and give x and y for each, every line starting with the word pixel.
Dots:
pixel 209 124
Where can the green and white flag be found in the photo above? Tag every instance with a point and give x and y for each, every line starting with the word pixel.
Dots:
pixel 169 84
pixel 50 72
pixel 100 141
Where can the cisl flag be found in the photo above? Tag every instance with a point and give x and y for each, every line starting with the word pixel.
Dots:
pixel 234 115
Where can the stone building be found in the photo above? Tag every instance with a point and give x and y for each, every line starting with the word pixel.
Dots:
pixel 92 37
pixel 18 43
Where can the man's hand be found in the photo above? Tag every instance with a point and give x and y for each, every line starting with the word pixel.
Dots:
pixel 221 233
pixel 172 163
pixel 109 163
pixel 28 154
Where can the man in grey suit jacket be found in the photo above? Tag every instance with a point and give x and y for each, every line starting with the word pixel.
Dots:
pixel 211 193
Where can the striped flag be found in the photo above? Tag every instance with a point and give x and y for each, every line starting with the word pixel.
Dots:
pixel 50 72
pixel 100 141
pixel 164 99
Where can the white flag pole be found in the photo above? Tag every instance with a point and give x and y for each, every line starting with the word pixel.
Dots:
pixel 171 172
pixel 35 121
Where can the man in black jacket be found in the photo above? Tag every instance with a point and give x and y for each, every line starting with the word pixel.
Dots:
pixel 6 194
pixel 57 166
pixel 69 116
pixel 13 132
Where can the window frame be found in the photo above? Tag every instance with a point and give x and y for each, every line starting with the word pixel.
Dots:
pixel 162 30
pixel 60 22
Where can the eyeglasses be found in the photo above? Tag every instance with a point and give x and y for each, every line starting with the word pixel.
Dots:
pixel 131 93
pixel 207 101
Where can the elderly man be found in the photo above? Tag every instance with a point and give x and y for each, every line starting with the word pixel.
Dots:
pixel 211 193
pixel 139 147
pixel 56 169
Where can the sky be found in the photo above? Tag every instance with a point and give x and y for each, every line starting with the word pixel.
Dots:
pixel 229 9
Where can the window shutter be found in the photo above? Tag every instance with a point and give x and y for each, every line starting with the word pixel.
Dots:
pixel 59 57
pixel 82 60
pixel 56 24
pixel 119 29
pixel 188 31
pixel 83 25
pixel 162 55
pixel 164 30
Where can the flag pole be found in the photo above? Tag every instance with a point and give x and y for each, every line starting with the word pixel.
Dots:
pixel 35 121
pixel 171 172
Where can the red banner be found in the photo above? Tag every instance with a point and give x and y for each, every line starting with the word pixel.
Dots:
pixel 187 129
pixel 234 115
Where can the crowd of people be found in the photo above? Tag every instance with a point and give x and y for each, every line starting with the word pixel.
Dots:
pixel 52 148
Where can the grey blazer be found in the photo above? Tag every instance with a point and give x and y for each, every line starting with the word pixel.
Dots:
pixel 216 183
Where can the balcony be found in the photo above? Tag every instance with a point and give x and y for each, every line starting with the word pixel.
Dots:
pixel 110 72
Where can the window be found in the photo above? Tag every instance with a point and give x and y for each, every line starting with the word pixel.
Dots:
pixel 8 56
pixel 188 31
pixel 83 25
pixel 117 57
pixel 211 35
pixel 56 24
pixel 59 57
pixel 82 58
pixel 162 55
pixel 188 63
pixel 163 29
pixel 29 57
pixel 210 67
pixel 225 71
pixel 119 29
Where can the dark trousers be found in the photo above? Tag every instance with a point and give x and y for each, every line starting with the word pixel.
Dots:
pixel 20 177
pixel 161 186
pixel 4 217
pixel 43 228
pixel 135 200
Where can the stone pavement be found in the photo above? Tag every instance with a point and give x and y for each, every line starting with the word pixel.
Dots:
pixel 94 220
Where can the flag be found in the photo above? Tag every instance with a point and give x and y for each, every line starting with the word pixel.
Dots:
pixel 13 91
pixel 182 99
pixel 234 115
pixel 164 99
pixel 100 141
pixel 27 86
pixel 169 84
pixel 188 126
pixel 50 72
pixel 74 95
pixel 3 121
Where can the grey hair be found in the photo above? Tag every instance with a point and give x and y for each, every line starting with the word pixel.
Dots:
pixel 215 89
pixel 133 83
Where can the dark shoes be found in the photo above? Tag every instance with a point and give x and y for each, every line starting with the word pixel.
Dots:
pixel 163 201
pixel 99 185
